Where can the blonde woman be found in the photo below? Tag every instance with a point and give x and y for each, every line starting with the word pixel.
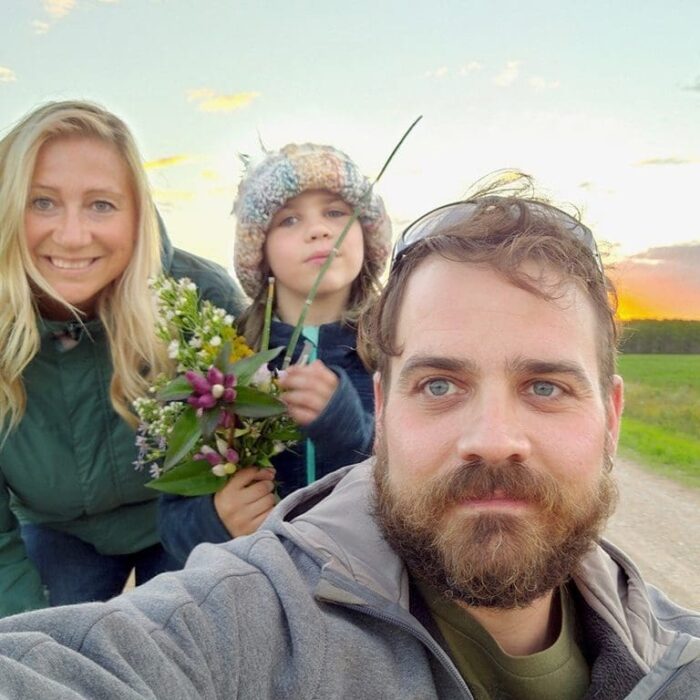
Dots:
pixel 79 239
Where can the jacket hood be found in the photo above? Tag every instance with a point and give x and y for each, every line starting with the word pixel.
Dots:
pixel 332 521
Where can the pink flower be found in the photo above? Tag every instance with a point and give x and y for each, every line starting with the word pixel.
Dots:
pixel 209 390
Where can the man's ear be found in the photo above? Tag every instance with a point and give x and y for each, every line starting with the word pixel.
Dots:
pixel 616 402
pixel 378 399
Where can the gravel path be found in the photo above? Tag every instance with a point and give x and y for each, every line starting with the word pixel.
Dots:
pixel 657 523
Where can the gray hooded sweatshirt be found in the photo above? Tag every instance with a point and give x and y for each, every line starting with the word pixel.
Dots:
pixel 317 605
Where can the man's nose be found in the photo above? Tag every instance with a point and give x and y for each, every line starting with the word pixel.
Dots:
pixel 72 230
pixel 493 431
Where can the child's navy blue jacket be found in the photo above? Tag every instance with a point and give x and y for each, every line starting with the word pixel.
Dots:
pixel 342 435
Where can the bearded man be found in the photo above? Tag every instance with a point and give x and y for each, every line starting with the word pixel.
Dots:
pixel 466 559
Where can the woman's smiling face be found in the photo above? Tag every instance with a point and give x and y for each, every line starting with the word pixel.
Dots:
pixel 80 220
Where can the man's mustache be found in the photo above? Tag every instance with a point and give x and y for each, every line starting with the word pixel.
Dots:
pixel 481 480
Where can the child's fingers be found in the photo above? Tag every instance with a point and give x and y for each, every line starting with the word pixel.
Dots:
pixel 304 377
pixel 248 494
pixel 307 390
pixel 303 416
pixel 241 483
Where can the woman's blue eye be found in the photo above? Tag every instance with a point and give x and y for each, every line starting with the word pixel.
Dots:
pixel 438 387
pixel 42 203
pixel 102 207
pixel 543 388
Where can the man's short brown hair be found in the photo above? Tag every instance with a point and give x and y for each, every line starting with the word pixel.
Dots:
pixel 501 230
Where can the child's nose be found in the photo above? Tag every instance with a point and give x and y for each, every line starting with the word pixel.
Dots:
pixel 318 230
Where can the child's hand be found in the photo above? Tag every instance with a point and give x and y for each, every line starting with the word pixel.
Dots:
pixel 245 500
pixel 307 389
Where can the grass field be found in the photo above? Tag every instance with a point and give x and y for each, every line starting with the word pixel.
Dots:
pixel 661 423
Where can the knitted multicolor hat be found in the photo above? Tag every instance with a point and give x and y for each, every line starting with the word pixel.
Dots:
pixel 284 174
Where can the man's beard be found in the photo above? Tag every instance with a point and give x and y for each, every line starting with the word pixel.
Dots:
pixel 491 559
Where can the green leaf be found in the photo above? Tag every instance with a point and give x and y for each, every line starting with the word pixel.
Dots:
pixel 209 420
pixel 183 438
pixel 222 359
pixel 192 478
pixel 244 369
pixel 252 403
pixel 179 388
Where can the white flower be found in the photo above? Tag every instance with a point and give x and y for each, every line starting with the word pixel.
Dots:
pixel 173 349
pixel 228 319
pixel 262 378
pixel 215 341
pixel 218 470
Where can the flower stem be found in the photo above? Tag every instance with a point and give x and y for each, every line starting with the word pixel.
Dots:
pixel 329 260
pixel 268 314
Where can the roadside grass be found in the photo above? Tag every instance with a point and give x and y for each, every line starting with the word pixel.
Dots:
pixel 661 423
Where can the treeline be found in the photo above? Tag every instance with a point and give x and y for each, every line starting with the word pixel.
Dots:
pixel 661 336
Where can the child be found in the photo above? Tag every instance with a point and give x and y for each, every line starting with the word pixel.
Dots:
pixel 290 210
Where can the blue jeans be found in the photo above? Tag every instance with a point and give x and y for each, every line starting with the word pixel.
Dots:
pixel 73 571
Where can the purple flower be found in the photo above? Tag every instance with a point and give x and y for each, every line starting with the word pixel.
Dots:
pixel 221 463
pixel 209 390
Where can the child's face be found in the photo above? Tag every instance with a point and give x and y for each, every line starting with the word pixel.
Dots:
pixel 299 241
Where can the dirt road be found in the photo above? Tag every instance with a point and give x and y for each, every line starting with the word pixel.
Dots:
pixel 657 523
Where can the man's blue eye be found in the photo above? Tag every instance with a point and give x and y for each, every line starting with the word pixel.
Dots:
pixel 438 387
pixel 543 388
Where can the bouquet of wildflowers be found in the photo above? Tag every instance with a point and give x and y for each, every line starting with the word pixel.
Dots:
pixel 220 412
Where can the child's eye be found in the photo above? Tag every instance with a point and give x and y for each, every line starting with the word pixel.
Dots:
pixel 337 213
pixel 42 204
pixel 545 389
pixel 288 221
pixel 103 207
pixel 438 387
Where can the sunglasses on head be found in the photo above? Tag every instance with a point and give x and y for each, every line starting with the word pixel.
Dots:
pixel 456 213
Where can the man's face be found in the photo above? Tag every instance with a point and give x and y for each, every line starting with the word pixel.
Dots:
pixel 493 438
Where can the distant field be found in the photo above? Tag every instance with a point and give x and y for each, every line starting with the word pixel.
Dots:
pixel 661 424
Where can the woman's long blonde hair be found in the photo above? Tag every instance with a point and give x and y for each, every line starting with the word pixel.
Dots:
pixel 124 306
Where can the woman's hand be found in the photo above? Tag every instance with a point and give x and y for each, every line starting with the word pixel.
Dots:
pixel 307 389
pixel 246 500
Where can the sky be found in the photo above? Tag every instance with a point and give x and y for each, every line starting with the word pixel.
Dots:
pixel 599 101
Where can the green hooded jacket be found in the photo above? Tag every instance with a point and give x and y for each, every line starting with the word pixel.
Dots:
pixel 69 463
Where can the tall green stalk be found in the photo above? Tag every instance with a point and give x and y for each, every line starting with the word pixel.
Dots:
pixel 329 260
pixel 265 342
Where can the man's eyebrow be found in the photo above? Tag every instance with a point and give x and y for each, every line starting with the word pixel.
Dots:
pixel 435 362
pixel 546 367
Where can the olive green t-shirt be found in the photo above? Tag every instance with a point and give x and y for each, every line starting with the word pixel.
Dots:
pixel 557 673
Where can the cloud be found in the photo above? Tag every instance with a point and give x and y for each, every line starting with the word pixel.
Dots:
pixel 540 84
pixel 7 75
pixel 693 86
pixel 172 196
pixel 58 8
pixel 660 282
pixel 166 162
pixel 666 161
pixel 211 101
pixel 508 75
pixel 438 73
pixel 40 27
pixel 471 67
